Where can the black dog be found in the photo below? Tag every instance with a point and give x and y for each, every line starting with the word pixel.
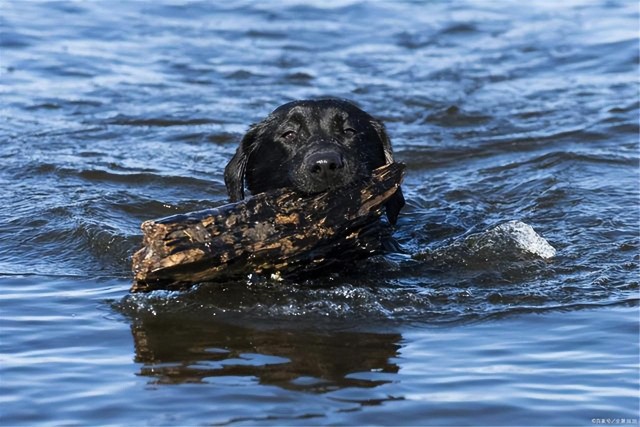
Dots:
pixel 311 146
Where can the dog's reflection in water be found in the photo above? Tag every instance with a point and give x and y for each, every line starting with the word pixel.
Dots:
pixel 174 352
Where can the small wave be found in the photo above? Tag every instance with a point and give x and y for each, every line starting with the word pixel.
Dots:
pixel 122 120
pixel 114 174
pixel 138 178
pixel 557 158
pixel 454 116
pixel 508 242
pixel 434 299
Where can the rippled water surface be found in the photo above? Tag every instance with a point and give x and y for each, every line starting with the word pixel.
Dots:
pixel 112 113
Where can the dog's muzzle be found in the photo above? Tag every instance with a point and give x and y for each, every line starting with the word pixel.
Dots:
pixel 324 167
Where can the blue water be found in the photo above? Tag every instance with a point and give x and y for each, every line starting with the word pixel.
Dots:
pixel 112 113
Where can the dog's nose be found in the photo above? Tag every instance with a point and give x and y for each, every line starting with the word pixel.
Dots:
pixel 324 165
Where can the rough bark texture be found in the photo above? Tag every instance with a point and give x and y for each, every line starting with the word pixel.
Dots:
pixel 277 232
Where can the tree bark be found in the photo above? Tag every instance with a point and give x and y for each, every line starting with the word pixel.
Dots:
pixel 279 232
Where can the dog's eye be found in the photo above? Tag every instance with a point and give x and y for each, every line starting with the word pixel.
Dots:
pixel 289 135
pixel 349 131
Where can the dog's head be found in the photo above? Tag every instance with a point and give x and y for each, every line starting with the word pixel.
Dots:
pixel 311 146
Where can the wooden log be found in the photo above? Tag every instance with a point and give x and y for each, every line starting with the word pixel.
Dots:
pixel 279 232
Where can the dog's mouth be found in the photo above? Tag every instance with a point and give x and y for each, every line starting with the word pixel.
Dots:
pixel 327 178
pixel 310 187
pixel 319 187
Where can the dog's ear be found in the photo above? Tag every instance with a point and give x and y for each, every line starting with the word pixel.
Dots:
pixel 396 202
pixel 394 205
pixel 378 126
pixel 234 172
pixel 234 175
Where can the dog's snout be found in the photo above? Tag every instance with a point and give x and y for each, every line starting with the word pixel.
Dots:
pixel 324 165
